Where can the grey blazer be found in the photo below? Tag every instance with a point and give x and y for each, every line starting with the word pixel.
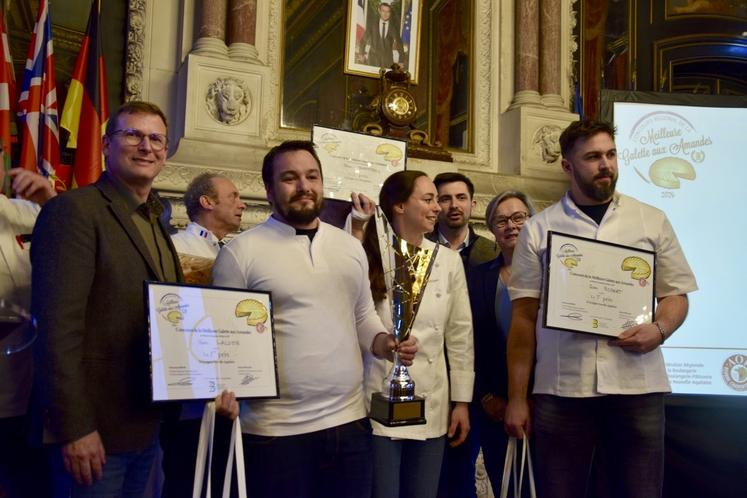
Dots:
pixel 89 263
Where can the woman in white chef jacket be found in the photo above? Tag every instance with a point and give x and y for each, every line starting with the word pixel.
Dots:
pixel 407 460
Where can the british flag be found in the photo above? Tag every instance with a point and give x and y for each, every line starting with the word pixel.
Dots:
pixel 37 106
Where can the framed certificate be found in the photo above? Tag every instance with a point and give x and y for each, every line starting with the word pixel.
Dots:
pixel 597 287
pixel 207 339
pixel 356 162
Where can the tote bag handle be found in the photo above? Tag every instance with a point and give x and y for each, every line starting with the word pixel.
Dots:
pixel 205 455
pixel 514 472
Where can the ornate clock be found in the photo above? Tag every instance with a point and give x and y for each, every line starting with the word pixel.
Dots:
pixel 393 112
pixel 398 106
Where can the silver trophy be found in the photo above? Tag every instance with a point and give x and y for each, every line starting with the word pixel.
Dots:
pixel 407 269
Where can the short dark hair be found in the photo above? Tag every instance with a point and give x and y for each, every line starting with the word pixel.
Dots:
pixel 583 129
pixel 452 177
pixel 200 185
pixel 268 163
pixel 134 107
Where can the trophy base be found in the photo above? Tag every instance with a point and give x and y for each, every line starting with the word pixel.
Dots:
pixel 397 413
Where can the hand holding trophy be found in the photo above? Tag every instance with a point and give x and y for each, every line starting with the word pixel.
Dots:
pixel 407 269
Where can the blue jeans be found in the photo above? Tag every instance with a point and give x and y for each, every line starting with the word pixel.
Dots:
pixel 330 463
pixel 125 475
pixel 407 468
pixel 628 429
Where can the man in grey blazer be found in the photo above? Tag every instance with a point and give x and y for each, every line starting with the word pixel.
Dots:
pixel 93 249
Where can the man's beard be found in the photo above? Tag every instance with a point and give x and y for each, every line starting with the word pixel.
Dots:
pixel 601 193
pixel 454 224
pixel 302 215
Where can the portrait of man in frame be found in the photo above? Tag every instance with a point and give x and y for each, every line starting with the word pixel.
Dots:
pixel 380 33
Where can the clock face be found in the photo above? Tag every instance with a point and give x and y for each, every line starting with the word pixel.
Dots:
pixel 399 106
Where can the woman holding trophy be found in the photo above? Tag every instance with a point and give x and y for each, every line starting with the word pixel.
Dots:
pixel 419 288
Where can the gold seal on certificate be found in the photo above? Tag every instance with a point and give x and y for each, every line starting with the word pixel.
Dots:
pixel 597 287
pixel 205 339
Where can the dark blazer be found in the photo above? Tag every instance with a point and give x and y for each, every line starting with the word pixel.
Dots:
pixel 88 267
pixel 477 252
pixel 380 54
pixel 491 372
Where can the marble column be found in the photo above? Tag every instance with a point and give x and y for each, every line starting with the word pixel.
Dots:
pixel 212 37
pixel 526 67
pixel 242 28
pixel 550 46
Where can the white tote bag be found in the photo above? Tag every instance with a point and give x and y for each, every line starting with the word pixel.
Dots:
pixel 205 453
pixel 514 472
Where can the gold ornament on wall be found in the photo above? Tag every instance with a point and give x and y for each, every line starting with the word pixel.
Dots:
pixel 393 112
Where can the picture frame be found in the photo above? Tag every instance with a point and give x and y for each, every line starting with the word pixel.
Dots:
pixel 204 339
pixel 597 287
pixel 687 8
pixel 367 52
pixel 356 162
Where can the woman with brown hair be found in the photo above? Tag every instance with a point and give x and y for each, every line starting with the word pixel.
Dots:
pixel 407 460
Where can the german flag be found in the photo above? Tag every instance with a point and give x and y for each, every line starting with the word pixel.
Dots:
pixel 86 108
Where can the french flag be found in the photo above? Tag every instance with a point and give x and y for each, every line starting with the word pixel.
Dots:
pixel 359 17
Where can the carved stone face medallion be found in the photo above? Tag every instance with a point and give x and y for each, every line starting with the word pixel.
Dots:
pixel 228 100
pixel 546 143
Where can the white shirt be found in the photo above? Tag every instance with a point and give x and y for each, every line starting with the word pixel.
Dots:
pixel 323 316
pixel 196 240
pixel 17 217
pixel 579 365
pixel 444 318
pixel 444 241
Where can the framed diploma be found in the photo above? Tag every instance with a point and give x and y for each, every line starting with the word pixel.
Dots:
pixel 597 287
pixel 356 162
pixel 207 339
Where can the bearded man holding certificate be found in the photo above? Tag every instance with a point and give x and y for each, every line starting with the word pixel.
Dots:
pixel 593 391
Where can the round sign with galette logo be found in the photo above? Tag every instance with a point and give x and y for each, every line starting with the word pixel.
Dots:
pixel 734 372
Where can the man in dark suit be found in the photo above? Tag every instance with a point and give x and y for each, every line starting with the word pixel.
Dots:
pixel 456 197
pixel 383 44
pixel 93 248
